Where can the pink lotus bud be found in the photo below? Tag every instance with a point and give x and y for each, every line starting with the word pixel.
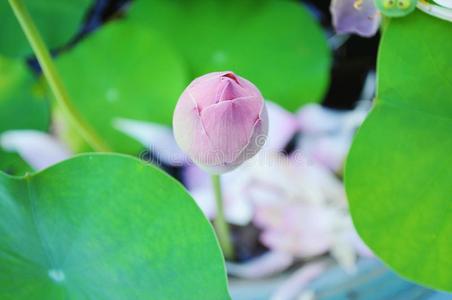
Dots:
pixel 220 121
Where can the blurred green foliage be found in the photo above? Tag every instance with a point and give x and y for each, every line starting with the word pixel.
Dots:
pixel 136 68
pixel 22 106
pixel 277 45
pixel 123 70
pixel 399 171
pixel 58 21
pixel 22 99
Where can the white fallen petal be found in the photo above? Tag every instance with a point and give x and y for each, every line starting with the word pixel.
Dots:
pixel 325 188
pixel 158 138
pixel 238 210
pixel 327 150
pixel 37 148
pixel 345 254
pixel 327 134
pixel 444 3
pixel 360 247
pixel 282 127
pixel 299 279
pixel 303 230
pixel 436 10
pixel 205 199
pixel 314 119
pixel 265 265
pixel 194 178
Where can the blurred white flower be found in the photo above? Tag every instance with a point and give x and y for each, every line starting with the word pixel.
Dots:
pixel 327 134
pixel 241 185
pixel 281 128
pixel 37 148
pixel 156 137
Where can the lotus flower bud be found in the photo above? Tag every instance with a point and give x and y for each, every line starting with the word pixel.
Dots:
pixel 220 121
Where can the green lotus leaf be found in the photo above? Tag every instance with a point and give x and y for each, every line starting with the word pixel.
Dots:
pixel 104 226
pixel 399 170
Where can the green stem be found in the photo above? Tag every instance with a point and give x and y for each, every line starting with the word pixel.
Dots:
pixel 53 78
pixel 221 226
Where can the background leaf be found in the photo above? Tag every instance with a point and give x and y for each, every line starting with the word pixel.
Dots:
pixel 399 170
pixel 123 71
pixel 105 227
pixel 22 99
pixel 22 106
pixel 275 44
pixel 58 21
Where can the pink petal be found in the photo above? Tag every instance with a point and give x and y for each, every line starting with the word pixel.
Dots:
pixel 189 130
pixel 229 124
pixel 215 87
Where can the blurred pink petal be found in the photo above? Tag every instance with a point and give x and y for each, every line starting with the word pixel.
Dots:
pixel 315 119
pixel 265 265
pixel 238 210
pixel 321 184
pixel 362 18
pixel 293 286
pixel 329 151
pixel 327 133
pixel 193 177
pixel 156 137
pixel 282 127
pixel 37 148
pixel 231 127
pixel 303 230
pixel 206 201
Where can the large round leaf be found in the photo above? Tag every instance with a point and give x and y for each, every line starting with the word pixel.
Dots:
pixel 58 21
pixel 399 171
pixel 123 71
pixel 105 227
pixel 276 44
pixel 22 106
